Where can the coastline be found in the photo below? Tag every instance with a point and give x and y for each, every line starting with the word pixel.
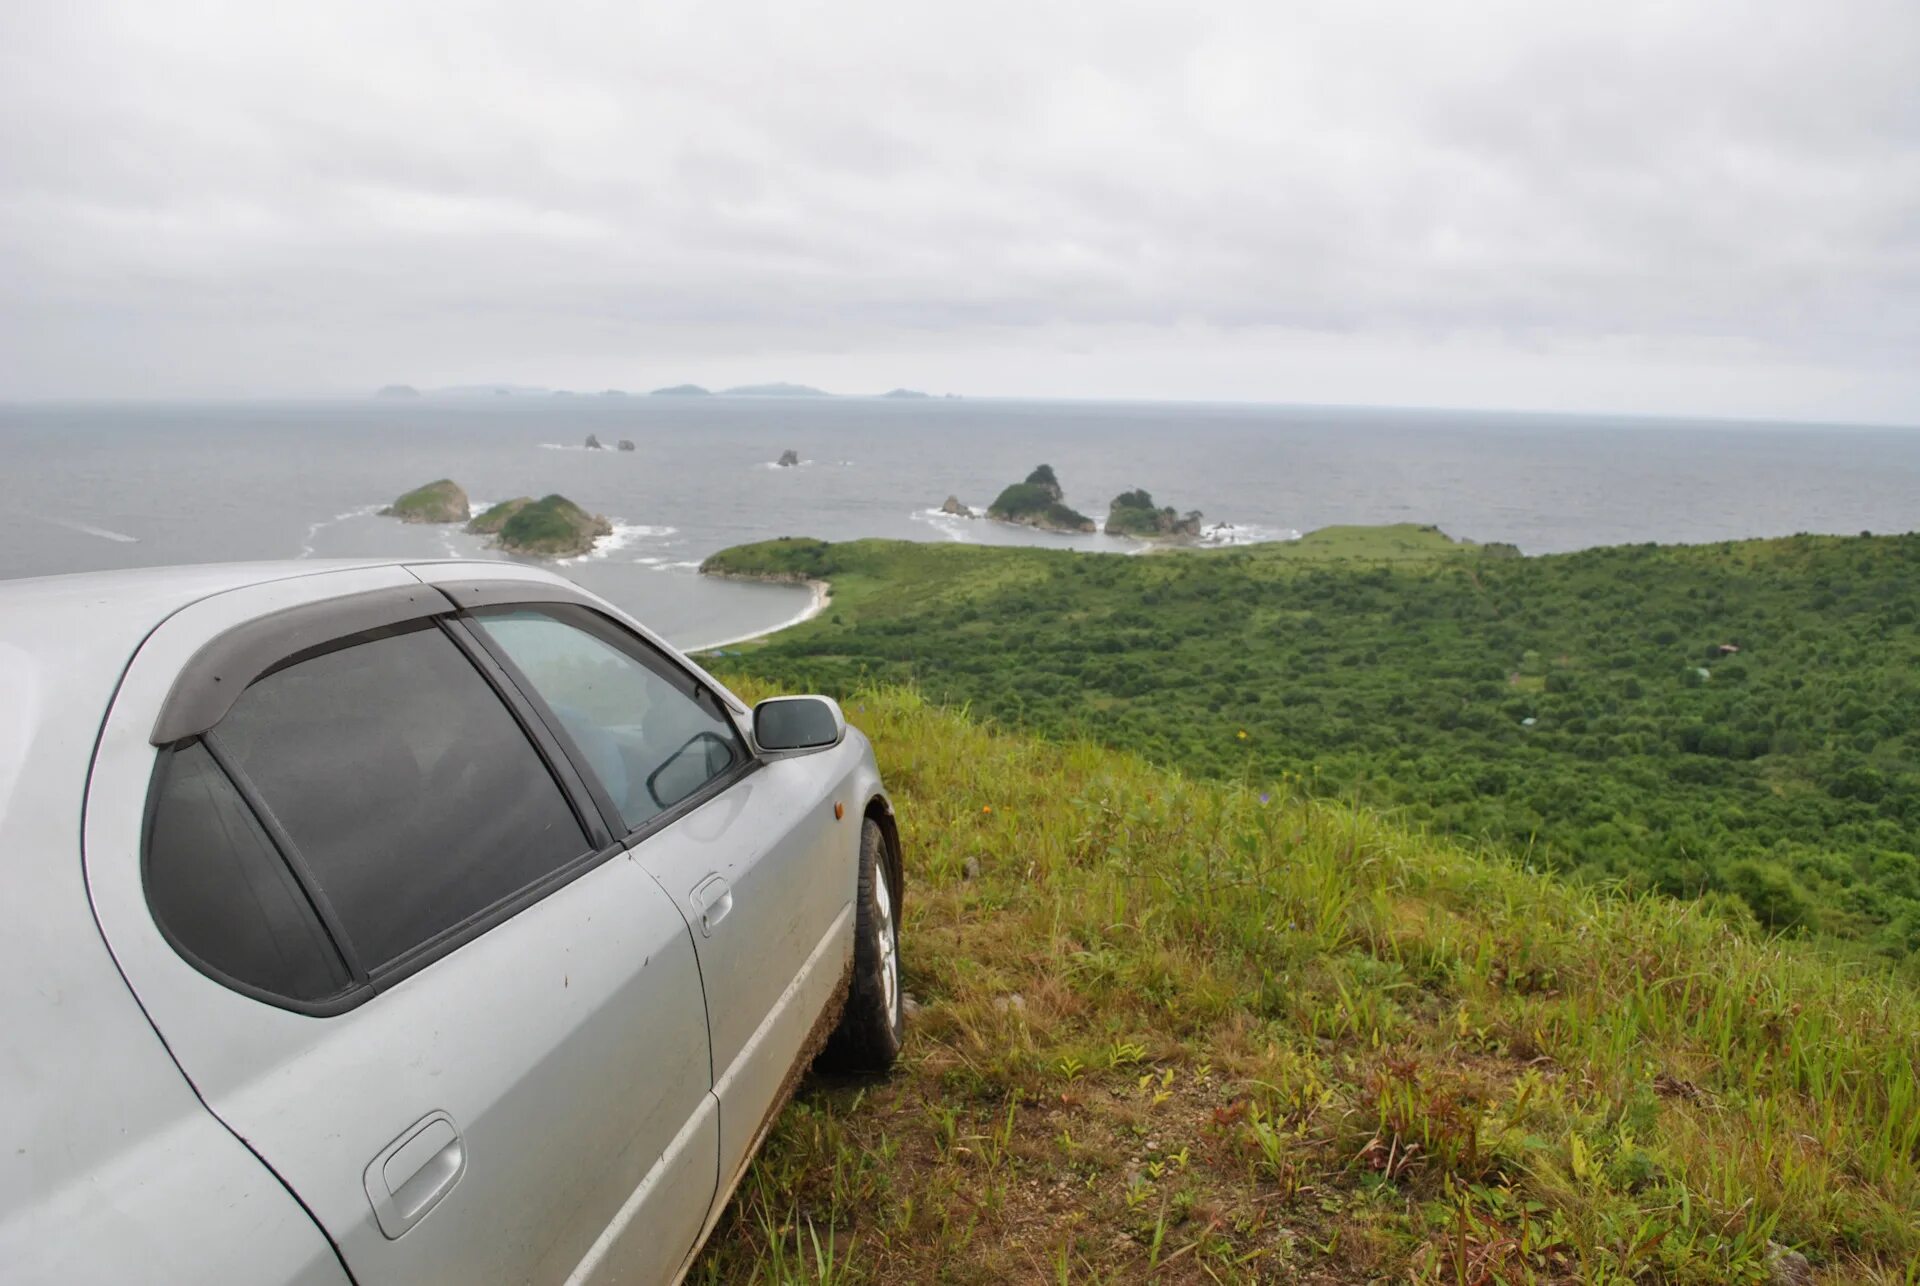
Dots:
pixel 822 596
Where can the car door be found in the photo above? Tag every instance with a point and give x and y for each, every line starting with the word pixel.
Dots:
pixel 397 953
pixel 756 852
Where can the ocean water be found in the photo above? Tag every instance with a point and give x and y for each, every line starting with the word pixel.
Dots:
pixel 90 486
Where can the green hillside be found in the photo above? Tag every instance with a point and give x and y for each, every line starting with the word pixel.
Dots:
pixel 1739 720
pixel 1193 1031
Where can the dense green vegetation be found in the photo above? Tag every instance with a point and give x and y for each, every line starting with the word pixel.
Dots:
pixel 1586 711
pixel 552 527
pixel 1188 1031
pixel 440 501
pixel 1037 502
pixel 490 522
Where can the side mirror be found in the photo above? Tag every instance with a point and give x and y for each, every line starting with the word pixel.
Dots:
pixel 797 725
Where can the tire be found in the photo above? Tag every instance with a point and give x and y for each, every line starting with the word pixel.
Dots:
pixel 868 1036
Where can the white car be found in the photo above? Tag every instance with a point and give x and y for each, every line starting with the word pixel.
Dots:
pixel 384 922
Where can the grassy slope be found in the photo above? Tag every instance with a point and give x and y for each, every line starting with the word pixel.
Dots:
pixel 1549 705
pixel 1177 1030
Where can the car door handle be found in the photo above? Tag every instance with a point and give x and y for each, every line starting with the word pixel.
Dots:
pixel 413 1173
pixel 711 899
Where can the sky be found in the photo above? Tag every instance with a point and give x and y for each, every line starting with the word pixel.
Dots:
pixel 1675 207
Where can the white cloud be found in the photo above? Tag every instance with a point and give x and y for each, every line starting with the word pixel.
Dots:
pixel 1687 206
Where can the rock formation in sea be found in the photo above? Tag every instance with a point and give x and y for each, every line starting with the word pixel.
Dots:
pixel 1133 513
pixel 1037 502
pixel 593 443
pixel 626 444
pixel 439 501
pixel 953 506
pixel 551 527
pixel 789 458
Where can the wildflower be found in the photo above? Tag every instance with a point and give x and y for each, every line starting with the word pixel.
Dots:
pixel 1264 797
pixel 986 808
pixel 1243 734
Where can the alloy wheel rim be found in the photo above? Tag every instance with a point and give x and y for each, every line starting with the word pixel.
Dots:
pixel 889 946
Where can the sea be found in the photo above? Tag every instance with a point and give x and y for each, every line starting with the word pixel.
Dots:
pixel 88 486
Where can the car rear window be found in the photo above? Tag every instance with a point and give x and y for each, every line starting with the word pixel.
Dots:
pixel 406 787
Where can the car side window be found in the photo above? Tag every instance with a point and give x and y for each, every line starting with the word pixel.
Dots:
pixel 652 735
pixel 221 892
pixel 406 787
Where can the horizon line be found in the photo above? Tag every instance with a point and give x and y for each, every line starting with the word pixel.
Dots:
pixel 477 392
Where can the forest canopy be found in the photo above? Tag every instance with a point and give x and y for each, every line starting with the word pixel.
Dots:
pixel 1738 720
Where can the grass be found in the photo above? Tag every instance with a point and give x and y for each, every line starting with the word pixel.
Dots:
pixel 1200 1031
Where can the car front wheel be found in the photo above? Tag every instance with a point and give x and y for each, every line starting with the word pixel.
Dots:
pixel 868 1037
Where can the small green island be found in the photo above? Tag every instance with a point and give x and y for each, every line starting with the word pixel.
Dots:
pixel 682 390
pixel 1037 502
pixel 440 501
pixel 1133 514
pixel 551 527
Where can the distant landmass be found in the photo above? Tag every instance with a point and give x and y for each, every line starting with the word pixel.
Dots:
pixel 398 390
pixel 905 392
pixel 490 390
pixel 776 390
pixel 683 390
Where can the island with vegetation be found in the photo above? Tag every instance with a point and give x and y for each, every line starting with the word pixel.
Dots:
pixel 397 391
pixel 682 390
pixel 1038 502
pixel 551 527
pixel 440 501
pixel 1133 514
pixel 489 521
pixel 906 394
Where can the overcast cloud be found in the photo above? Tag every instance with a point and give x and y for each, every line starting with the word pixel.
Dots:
pixel 1689 207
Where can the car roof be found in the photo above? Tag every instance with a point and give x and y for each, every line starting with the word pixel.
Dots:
pixel 66 640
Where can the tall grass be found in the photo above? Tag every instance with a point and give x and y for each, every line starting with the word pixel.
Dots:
pixel 1211 1032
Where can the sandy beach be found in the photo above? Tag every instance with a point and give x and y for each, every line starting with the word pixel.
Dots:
pixel 822 595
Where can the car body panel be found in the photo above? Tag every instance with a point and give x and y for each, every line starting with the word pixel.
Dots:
pixel 112 1170
pixel 532 1039
pixel 776 957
